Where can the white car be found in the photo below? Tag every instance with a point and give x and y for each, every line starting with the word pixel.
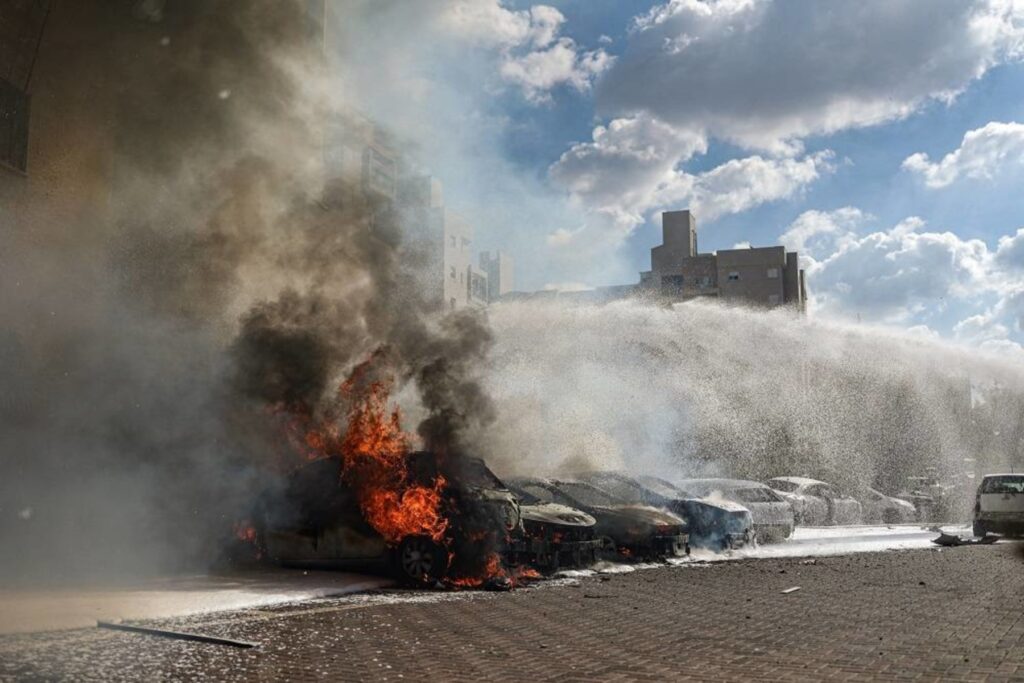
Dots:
pixel 772 516
pixel 882 509
pixel 816 503
pixel 999 505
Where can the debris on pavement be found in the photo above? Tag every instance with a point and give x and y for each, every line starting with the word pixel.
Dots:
pixel 794 589
pixel 946 539
pixel 177 635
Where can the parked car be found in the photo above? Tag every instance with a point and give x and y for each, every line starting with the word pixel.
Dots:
pixel 554 536
pixel 315 521
pixel 772 516
pixel 716 525
pixel 933 500
pixel 635 531
pixel 816 503
pixel 999 505
pixel 882 509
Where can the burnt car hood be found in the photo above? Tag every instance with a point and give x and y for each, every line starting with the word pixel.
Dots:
pixel 642 513
pixel 553 513
pixel 719 503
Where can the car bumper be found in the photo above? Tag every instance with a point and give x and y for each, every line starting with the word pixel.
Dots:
pixel 675 545
pixel 549 555
pixel 1003 527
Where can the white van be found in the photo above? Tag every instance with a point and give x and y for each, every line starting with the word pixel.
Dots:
pixel 999 505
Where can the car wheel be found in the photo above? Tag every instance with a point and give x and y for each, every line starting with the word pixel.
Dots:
pixel 419 561
pixel 979 530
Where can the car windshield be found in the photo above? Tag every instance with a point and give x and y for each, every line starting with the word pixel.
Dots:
pixel 663 488
pixel 620 486
pixel 587 494
pixel 476 473
pixel 1007 484
pixel 532 494
pixel 783 485
pixel 758 495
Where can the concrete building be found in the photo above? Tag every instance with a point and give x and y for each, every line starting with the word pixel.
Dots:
pixel 500 273
pixel 359 154
pixel 765 276
pixel 445 239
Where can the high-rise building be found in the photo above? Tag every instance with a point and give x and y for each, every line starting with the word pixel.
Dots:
pixel 499 270
pixel 443 239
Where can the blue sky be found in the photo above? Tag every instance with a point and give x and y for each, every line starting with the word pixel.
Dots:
pixel 562 129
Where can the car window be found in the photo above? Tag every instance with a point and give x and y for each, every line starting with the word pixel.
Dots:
pixel 476 473
pixel 623 488
pixel 531 494
pixel 663 488
pixel 783 485
pixel 587 494
pixel 1007 484
pixel 758 495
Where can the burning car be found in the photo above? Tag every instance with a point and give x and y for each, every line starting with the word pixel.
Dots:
pixel 636 531
pixel 316 520
pixel 882 509
pixel 816 503
pixel 716 525
pixel 772 516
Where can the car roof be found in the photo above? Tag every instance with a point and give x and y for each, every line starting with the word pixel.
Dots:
pixel 1004 474
pixel 723 483
pixel 799 481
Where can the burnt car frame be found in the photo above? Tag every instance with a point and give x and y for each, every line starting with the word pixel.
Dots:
pixel 314 521
pixel 772 516
pixel 716 525
pixel 635 531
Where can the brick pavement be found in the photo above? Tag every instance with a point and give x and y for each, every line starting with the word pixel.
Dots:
pixel 915 615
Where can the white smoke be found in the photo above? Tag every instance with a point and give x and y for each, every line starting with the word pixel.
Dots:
pixel 703 389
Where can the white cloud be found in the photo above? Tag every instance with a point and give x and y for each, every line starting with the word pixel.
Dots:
pixel 901 274
pixel 633 166
pixel 1010 252
pixel 766 73
pixel 540 71
pixel 819 233
pixel 533 56
pixel 982 154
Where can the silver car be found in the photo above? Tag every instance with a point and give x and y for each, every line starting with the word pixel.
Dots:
pixel 816 503
pixel 772 516
pixel 882 509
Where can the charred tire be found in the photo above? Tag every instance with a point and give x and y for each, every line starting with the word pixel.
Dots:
pixel 979 530
pixel 420 561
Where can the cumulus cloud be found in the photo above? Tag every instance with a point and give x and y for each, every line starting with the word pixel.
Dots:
pixel 982 154
pixel 767 73
pixel 1010 253
pixel 816 234
pixel 534 57
pixel 633 166
pixel 913 276
pixel 539 71
pixel 899 274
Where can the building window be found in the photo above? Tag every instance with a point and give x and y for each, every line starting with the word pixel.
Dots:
pixel 704 282
pixel 773 299
pixel 773 273
pixel 671 284
pixel 733 275
pixel 452 274
pixel 13 127
pixel 454 242
pixel 452 303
